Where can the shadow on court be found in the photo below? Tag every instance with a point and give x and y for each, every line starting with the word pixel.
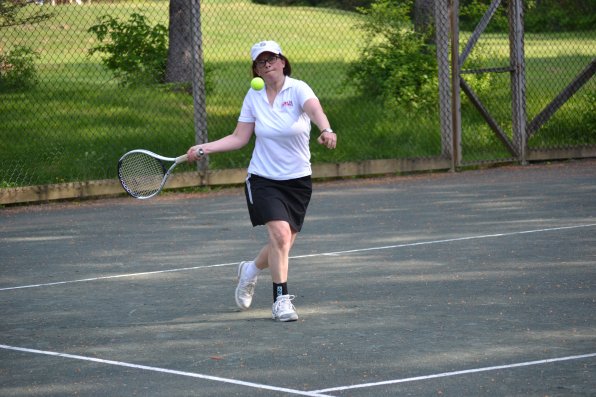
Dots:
pixel 455 284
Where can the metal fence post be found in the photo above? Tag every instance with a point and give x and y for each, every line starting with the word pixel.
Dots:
pixel 455 87
pixel 445 110
pixel 518 78
pixel 198 83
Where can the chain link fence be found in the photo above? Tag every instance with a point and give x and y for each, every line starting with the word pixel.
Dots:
pixel 551 73
pixel 82 82
pixel 560 76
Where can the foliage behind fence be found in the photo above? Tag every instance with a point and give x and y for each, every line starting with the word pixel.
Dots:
pixel 66 115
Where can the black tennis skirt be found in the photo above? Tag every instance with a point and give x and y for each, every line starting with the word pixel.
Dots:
pixel 271 200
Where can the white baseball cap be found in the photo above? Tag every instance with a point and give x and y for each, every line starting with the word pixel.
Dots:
pixel 264 46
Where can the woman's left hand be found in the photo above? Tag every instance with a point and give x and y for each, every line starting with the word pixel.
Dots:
pixel 328 139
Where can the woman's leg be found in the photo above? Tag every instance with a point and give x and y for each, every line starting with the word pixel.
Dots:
pixel 281 240
pixel 275 254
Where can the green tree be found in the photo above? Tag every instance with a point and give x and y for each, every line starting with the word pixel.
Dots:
pixel 134 51
pixel 398 63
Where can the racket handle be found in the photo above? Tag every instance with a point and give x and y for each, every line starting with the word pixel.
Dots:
pixel 182 159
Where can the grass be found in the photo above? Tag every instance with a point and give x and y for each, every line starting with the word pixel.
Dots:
pixel 79 121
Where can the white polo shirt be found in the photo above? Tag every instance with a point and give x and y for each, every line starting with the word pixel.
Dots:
pixel 282 131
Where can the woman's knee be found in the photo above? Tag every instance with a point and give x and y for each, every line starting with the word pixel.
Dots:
pixel 280 234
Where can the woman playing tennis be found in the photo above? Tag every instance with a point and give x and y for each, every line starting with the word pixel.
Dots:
pixel 278 187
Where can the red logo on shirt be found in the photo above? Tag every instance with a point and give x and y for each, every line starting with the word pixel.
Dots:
pixel 287 103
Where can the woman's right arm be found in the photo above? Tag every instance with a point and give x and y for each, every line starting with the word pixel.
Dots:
pixel 236 140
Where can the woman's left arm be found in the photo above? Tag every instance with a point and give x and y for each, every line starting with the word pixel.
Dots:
pixel 315 112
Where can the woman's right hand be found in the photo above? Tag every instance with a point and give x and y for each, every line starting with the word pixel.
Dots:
pixel 195 153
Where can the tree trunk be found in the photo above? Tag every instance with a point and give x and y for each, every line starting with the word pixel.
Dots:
pixel 179 66
pixel 424 15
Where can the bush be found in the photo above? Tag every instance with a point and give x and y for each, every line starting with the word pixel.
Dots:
pixel 17 69
pixel 136 52
pixel 559 16
pixel 539 15
pixel 398 64
pixel 472 12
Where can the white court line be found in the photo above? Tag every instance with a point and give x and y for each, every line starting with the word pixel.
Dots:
pixel 82 280
pixel 167 371
pixel 313 393
pixel 455 373
pixel 451 240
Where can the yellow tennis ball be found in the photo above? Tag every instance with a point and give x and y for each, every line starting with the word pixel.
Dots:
pixel 257 83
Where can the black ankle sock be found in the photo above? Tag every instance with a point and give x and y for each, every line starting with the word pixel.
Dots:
pixel 279 289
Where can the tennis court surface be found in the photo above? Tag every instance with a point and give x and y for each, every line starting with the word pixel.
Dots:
pixel 454 284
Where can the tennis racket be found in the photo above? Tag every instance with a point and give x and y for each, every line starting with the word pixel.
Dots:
pixel 143 173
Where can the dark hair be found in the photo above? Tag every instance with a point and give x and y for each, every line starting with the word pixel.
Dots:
pixel 287 68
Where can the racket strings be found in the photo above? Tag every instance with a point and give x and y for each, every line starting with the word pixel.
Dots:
pixel 141 174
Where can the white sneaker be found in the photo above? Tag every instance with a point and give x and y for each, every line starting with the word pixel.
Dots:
pixel 283 310
pixel 245 289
